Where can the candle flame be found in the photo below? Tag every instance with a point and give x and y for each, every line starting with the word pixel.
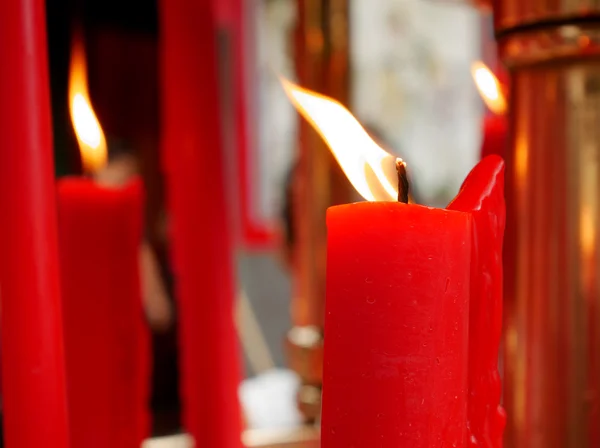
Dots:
pixel 90 137
pixel 489 88
pixel 370 169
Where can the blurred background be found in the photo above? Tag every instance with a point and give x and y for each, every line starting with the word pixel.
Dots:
pixel 401 66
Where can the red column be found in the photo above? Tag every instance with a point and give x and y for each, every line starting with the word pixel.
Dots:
pixel 200 232
pixel 34 399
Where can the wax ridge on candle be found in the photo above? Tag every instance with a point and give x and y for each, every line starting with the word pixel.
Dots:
pixel 482 194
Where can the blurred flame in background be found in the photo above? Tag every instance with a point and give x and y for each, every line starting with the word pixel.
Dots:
pixel 90 137
pixel 489 88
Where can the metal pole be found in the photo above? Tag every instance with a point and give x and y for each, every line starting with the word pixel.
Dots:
pixel 321 54
pixel 552 245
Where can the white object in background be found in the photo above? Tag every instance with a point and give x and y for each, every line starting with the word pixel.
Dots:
pixel 269 404
pixel 269 400
pixel 272 120
pixel 176 441
pixel 411 63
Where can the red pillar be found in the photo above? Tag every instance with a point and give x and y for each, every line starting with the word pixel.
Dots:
pixel 200 228
pixel 34 400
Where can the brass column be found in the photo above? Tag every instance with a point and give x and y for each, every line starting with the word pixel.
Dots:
pixel 552 245
pixel 321 59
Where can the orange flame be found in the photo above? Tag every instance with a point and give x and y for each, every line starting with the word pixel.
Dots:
pixel 489 88
pixel 90 137
pixel 370 169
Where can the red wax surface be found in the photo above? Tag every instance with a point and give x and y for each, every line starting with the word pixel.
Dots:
pixel 33 379
pixel 396 326
pixel 495 128
pixel 106 347
pixel 200 228
pixel 482 194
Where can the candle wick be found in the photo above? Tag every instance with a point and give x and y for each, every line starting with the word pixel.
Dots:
pixel 402 181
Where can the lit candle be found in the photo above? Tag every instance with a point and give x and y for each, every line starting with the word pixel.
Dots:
pixel 400 280
pixel 106 341
pixel 33 377
pixel 396 324
pixel 200 227
pixel 495 126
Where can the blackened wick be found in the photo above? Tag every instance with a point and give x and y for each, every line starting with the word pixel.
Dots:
pixel 402 181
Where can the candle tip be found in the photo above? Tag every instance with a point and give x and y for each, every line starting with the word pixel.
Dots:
pixel 402 181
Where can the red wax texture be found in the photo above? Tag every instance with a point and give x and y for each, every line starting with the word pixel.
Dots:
pixel 482 194
pixel 200 227
pixel 106 346
pixel 33 378
pixel 495 128
pixel 396 326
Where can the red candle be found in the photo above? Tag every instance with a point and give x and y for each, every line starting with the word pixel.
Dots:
pixel 100 235
pixel 495 126
pixel 34 398
pixel 200 229
pixel 396 318
pixel 396 326
pixel 482 195
pixel 106 338
pixel 400 280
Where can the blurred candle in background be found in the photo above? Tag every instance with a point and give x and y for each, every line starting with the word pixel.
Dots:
pixel 33 376
pixel 483 195
pixel 106 339
pixel 495 124
pixel 193 160
pixel 100 234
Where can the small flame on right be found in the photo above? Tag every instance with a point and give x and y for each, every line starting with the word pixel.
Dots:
pixel 489 88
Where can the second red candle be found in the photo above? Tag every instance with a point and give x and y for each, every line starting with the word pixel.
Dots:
pixel 105 337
